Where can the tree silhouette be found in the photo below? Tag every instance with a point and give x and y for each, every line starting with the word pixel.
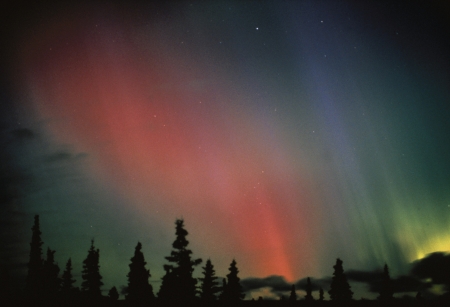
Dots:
pixel 139 289
pixel 113 294
pixel 386 292
pixel 34 285
pixel 167 291
pixel 293 296
pixel 232 290
pixel 51 281
pixel 67 279
pixel 321 296
pixel 92 280
pixel 178 278
pixel 67 288
pixel 340 288
pixel 209 286
pixel 308 296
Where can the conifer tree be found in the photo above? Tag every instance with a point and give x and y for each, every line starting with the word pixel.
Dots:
pixel 386 292
pixel 209 286
pixel 293 296
pixel 321 294
pixel 92 280
pixel 178 281
pixel 139 289
pixel 232 291
pixel 308 296
pixel 34 284
pixel 67 278
pixel 340 288
pixel 51 281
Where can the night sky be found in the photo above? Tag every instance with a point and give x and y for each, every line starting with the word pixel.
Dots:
pixel 285 133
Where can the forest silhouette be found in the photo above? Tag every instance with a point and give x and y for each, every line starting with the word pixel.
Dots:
pixel 45 285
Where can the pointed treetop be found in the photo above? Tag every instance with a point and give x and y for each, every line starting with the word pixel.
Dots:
pixel 293 295
pixel 139 289
pixel 178 278
pixel 34 286
pixel 340 288
pixel 209 288
pixel 308 296
pixel 91 272
pixel 386 292
pixel 181 242
pixel 232 290
pixel 67 278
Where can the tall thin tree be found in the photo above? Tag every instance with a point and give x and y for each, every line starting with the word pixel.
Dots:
pixel 67 279
pixel 293 295
pixel 209 284
pixel 340 288
pixel 178 279
pixel 308 289
pixel 34 284
pixel 92 280
pixel 386 292
pixel 232 291
pixel 139 289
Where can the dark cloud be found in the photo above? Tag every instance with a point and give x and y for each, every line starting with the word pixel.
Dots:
pixel 280 287
pixel 316 283
pixel 409 284
pixel 277 283
pixel 364 276
pixel 435 266
pixel 404 283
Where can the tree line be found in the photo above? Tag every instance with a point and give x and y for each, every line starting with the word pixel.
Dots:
pixel 44 282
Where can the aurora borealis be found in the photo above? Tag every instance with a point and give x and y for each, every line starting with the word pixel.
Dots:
pixel 286 134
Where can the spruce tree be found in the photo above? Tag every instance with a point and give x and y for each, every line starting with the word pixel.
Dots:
pixel 232 291
pixel 340 288
pixel 34 282
pixel 67 278
pixel 92 280
pixel 209 286
pixel 51 281
pixel 178 281
pixel 139 289
pixel 386 292
pixel 293 296
pixel 308 296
